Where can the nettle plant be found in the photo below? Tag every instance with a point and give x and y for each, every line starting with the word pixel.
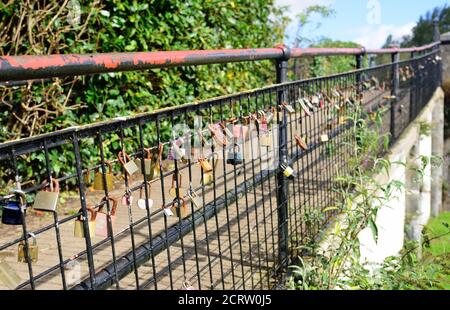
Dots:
pixel 334 262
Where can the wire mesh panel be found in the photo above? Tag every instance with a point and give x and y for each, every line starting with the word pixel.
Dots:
pixel 188 197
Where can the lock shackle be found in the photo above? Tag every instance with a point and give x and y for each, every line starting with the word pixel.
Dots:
pixel 31 236
pixel 142 188
pixel 236 146
pixel 176 202
pixel 21 195
pixel 53 184
pixel 108 163
pixel 122 156
pixel 148 151
pixel 91 211
pixel 180 179
pixel 300 142
pixel 113 207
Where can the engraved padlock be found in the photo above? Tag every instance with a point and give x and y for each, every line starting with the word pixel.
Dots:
pixel 288 172
pixel 33 250
pixel 235 155
pixel 195 198
pixel 129 165
pixel 101 218
pixel 12 211
pixel 47 200
pixel 98 178
pixel 179 207
pixel 147 162
pixel 141 201
pixel 78 229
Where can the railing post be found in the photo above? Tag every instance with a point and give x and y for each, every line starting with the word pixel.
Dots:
pixel 359 60
pixel 394 91
pixel 282 186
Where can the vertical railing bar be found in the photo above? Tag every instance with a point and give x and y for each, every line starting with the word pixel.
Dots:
pixel 79 168
pixel 194 233
pixel 158 138
pixel 108 208
pixel 130 215
pixel 55 219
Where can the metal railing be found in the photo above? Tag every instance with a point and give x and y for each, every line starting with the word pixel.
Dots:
pixel 218 194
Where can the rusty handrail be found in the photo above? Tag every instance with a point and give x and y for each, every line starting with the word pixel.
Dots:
pixel 28 67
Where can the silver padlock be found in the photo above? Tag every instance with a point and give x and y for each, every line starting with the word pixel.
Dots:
pixel 304 107
pixel 141 201
pixel 178 152
pixel 47 200
pixel 129 165
pixel 288 108
pixel 168 212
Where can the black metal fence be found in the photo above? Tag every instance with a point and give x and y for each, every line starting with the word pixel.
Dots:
pixel 219 194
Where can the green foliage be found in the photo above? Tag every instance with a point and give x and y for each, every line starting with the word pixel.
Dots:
pixel 43 27
pixel 338 265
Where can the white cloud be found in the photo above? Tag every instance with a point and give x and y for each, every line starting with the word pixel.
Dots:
pixel 374 36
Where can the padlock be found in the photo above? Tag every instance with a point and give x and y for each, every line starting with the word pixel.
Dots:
pixel 315 100
pixel 266 139
pixel 173 189
pixel 168 211
pixel 12 212
pixel 8 276
pixel 235 155
pixel 33 250
pixel 147 162
pixel 288 171
pixel 204 163
pixel 78 229
pixel 47 200
pixel 324 138
pixel 129 165
pixel 179 208
pixel 178 152
pixel 217 134
pixel 308 104
pixel 304 107
pixel 156 165
pixel 240 131
pixel 208 178
pixel 141 201
pixel 127 199
pixel 288 108
pixel 98 178
pixel 101 219
pixel 195 198
pixel 301 143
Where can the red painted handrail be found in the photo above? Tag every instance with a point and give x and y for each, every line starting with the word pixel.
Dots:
pixel 20 68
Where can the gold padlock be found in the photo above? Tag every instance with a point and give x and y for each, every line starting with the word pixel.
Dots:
pixel 78 230
pixel 195 198
pixel 98 178
pixel 129 165
pixel 33 250
pixel 47 200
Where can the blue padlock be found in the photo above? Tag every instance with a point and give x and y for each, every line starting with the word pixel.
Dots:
pixel 12 212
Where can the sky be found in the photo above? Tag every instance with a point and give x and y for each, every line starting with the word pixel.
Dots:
pixel 367 22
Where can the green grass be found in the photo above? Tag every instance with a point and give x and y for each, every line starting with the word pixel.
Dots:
pixel 437 227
